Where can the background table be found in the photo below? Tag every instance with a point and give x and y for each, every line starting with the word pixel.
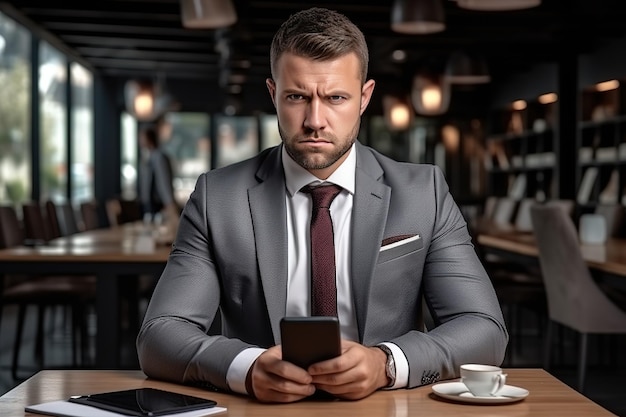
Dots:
pixel 609 259
pixel 110 254
pixel 548 397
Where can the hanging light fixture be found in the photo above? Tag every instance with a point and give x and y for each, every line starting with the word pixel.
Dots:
pixel 465 68
pixel 430 93
pixel 398 113
pixel 497 5
pixel 147 100
pixel 139 98
pixel 207 14
pixel 417 17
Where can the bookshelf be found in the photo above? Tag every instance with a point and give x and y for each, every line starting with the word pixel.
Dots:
pixel 601 159
pixel 520 157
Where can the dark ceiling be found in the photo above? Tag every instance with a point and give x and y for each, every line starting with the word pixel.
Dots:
pixel 145 38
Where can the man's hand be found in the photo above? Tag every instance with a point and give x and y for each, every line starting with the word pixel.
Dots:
pixel 273 380
pixel 358 372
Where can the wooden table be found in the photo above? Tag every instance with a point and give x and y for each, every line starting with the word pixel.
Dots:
pixel 109 254
pixel 608 259
pixel 548 397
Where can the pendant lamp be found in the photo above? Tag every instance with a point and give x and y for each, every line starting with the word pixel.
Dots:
pixel 417 17
pixel 430 94
pixel 466 68
pixel 398 113
pixel 140 99
pixel 497 5
pixel 147 100
pixel 207 14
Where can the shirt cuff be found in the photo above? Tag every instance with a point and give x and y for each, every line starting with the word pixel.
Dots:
pixel 402 366
pixel 238 369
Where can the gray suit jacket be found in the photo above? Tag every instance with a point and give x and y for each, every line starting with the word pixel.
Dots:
pixel 230 254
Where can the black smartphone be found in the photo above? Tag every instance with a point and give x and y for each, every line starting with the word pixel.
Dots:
pixel 144 402
pixel 307 340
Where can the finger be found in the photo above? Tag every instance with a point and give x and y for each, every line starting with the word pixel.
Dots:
pixel 351 391
pixel 272 388
pixel 275 380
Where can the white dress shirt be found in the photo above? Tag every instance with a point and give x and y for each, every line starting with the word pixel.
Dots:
pixel 298 241
pixel 298 205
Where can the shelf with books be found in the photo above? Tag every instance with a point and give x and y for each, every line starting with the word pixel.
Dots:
pixel 522 145
pixel 601 158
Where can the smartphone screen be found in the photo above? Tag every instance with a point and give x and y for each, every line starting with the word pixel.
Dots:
pixel 144 402
pixel 307 340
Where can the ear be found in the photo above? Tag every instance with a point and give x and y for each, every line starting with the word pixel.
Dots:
pixel 271 87
pixel 366 94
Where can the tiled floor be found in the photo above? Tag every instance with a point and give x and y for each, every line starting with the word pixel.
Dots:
pixel 605 378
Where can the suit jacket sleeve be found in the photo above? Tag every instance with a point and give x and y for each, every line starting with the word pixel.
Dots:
pixel 173 343
pixel 469 327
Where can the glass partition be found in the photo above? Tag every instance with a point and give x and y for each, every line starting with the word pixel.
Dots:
pixel 270 135
pixel 237 139
pixel 185 139
pixel 82 180
pixel 15 133
pixel 129 156
pixel 53 124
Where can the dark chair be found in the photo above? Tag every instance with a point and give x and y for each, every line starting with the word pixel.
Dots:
pixel 67 219
pixel 89 214
pixel 42 291
pixel 120 211
pixel 37 230
pixel 575 300
pixel 52 218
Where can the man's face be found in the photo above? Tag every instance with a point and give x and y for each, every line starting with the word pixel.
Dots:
pixel 319 106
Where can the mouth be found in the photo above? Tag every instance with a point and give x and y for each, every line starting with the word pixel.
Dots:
pixel 315 140
pixel 316 145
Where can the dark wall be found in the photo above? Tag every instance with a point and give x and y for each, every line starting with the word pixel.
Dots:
pixel 607 63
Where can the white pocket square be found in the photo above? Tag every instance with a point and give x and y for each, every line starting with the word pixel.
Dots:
pixel 395 241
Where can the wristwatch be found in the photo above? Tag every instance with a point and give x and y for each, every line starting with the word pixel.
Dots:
pixel 390 367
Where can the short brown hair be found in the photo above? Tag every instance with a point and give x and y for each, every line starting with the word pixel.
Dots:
pixel 319 34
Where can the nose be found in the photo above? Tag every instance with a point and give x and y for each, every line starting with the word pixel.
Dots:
pixel 315 116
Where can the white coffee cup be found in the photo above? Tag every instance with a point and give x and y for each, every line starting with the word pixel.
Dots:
pixel 482 380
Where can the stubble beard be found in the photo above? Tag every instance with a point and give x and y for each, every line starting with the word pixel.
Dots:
pixel 314 160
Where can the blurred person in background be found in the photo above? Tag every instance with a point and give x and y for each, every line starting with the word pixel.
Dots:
pixel 156 190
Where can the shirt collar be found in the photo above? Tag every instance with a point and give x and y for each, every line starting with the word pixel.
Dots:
pixel 297 177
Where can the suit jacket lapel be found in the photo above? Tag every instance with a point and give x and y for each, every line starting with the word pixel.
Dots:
pixel 267 205
pixel 369 216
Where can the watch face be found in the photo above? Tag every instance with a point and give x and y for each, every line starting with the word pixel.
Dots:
pixel 391 367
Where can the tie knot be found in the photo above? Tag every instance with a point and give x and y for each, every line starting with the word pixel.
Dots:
pixel 322 195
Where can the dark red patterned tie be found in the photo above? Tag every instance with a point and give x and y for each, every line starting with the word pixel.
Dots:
pixel 323 286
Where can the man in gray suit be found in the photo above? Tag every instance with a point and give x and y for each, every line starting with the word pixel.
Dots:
pixel 242 249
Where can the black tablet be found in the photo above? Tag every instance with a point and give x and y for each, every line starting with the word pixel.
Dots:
pixel 144 402
pixel 307 340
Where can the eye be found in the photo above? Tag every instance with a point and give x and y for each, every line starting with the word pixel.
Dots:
pixel 336 99
pixel 295 97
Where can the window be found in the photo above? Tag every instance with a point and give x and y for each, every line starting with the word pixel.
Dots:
pixel 237 139
pixel 185 139
pixel 53 124
pixel 82 180
pixel 129 160
pixel 269 131
pixel 15 134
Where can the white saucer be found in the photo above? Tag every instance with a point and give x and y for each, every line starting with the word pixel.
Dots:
pixel 457 391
